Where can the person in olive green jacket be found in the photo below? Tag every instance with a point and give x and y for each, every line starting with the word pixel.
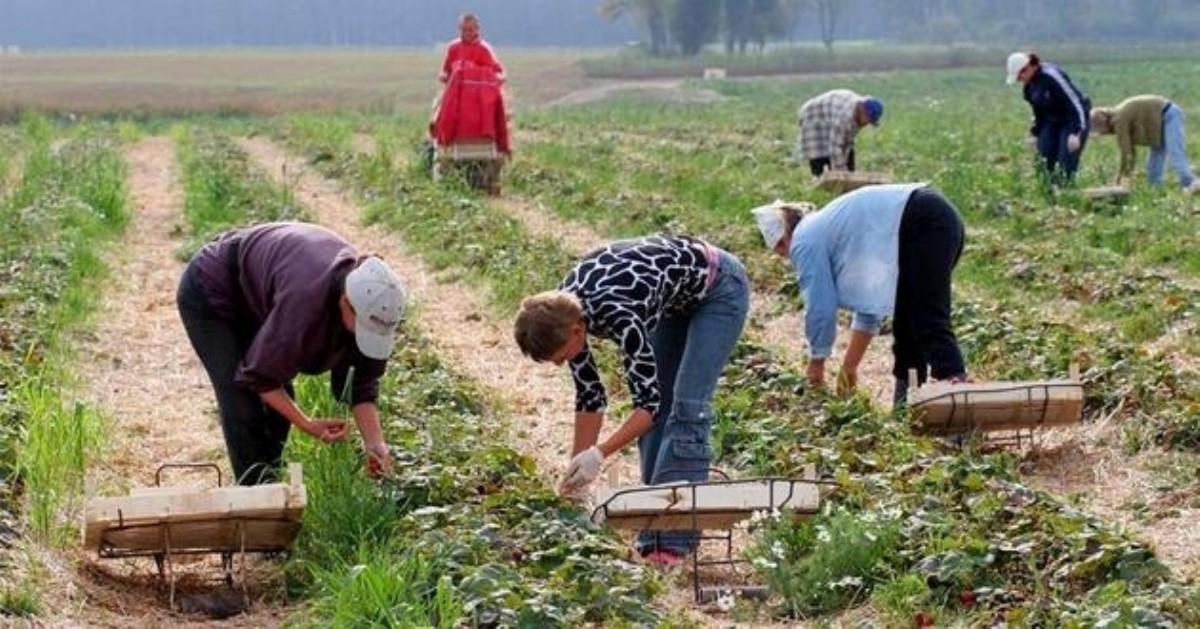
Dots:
pixel 1152 121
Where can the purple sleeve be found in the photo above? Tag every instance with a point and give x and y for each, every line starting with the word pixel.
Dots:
pixel 365 384
pixel 276 353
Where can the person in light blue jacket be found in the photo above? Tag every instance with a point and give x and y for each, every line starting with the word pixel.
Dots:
pixel 878 251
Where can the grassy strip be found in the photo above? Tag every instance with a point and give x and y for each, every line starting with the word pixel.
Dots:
pixel 11 147
pixel 69 205
pixel 852 57
pixel 960 519
pixel 222 190
pixel 464 530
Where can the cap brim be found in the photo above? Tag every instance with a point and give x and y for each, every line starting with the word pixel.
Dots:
pixel 373 344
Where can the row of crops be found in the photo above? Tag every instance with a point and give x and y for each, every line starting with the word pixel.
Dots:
pixel 62 203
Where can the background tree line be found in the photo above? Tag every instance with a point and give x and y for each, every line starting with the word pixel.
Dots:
pixel 685 27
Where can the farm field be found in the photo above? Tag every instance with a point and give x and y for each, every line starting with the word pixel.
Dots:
pixel 1092 525
pixel 257 82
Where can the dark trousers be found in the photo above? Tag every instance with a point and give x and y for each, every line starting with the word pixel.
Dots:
pixel 931 241
pixel 1057 164
pixel 254 433
pixel 821 164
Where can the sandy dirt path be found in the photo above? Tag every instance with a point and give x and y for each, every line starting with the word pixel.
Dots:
pixel 137 367
pixel 1088 461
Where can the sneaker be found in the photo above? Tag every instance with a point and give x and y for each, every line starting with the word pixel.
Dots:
pixel 1192 188
pixel 663 559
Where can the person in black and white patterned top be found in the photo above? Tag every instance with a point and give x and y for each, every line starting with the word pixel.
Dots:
pixel 676 306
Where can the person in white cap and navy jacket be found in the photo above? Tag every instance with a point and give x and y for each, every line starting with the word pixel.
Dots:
pixel 265 303
pixel 1060 114
pixel 877 251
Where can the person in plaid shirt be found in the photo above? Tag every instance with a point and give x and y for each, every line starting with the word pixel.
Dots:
pixel 828 124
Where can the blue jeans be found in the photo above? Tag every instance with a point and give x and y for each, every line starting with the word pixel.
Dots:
pixel 690 353
pixel 1058 164
pixel 1174 148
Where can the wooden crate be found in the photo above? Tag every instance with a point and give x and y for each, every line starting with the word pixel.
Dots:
pixel 845 181
pixel 1114 194
pixel 715 505
pixel 470 150
pixel 947 409
pixel 195 519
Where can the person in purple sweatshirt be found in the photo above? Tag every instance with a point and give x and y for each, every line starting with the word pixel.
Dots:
pixel 263 304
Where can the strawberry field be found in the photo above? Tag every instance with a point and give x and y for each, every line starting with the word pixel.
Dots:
pixel 1090 526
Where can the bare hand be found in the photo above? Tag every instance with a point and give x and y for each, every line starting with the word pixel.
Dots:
pixel 847 381
pixel 327 430
pixel 379 460
pixel 1073 143
pixel 816 373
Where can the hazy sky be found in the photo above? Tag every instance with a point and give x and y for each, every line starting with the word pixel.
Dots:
pixel 123 23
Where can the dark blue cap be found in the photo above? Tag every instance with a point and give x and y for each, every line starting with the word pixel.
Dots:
pixel 874 109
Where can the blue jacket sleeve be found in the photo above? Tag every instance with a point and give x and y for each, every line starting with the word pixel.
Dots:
pixel 815 275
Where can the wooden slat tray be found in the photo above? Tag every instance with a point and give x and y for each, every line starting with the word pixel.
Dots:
pixel 714 505
pixel 1115 194
pixel 845 181
pixel 943 408
pixel 197 519
pixel 470 149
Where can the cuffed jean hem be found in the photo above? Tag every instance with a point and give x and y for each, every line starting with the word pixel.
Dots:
pixel 685 455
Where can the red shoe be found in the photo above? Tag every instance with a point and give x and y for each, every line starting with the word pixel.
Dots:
pixel 663 559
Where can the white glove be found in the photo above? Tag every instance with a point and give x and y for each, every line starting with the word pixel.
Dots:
pixel 583 469
pixel 581 495
pixel 1031 141
pixel 1073 143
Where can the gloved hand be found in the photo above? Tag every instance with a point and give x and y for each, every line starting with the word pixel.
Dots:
pixel 581 495
pixel 1073 143
pixel 1031 140
pixel 582 470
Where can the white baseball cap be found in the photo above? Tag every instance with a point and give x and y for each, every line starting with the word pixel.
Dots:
pixel 378 300
pixel 1016 62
